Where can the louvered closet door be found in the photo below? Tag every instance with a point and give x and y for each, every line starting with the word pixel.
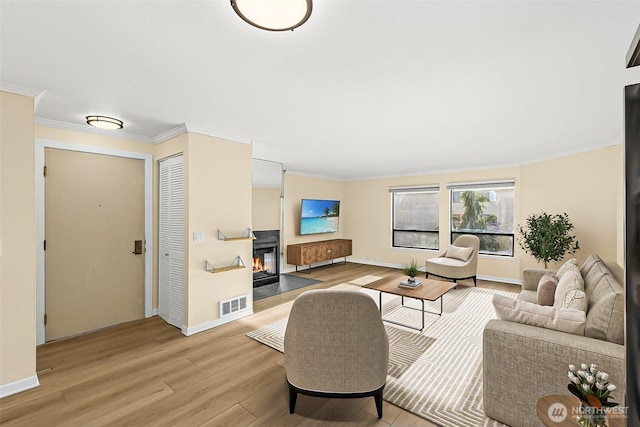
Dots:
pixel 171 242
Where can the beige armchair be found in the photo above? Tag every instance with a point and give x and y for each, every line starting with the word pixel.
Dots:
pixel 335 345
pixel 458 262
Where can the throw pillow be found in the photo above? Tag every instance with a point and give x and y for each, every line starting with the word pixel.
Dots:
pixel 456 252
pixel 566 267
pixel 571 280
pixel 575 299
pixel 547 289
pixel 558 319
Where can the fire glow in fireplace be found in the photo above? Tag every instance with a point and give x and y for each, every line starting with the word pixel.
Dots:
pixel 266 257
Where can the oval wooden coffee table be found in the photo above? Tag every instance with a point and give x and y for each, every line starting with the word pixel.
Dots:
pixel 557 410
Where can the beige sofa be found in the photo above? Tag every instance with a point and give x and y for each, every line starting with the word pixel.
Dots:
pixel 522 363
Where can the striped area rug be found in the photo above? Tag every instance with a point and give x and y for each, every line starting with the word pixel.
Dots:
pixel 437 373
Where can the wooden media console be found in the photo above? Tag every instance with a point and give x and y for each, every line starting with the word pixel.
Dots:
pixel 313 252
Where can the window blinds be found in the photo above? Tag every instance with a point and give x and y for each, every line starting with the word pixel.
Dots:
pixel 414 189
pixel 484 185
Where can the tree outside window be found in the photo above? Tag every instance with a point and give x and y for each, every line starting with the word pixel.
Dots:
pixel 486 213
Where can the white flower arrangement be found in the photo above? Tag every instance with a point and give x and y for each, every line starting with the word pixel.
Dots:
pixel 591 385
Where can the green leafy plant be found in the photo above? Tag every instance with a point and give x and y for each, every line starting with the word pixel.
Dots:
pixel 546 237
pixel 412 269
pixel 473 216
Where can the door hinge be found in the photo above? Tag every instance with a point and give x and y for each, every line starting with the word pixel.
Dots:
pixel 45 318
pixel 44 171
pixel 45 245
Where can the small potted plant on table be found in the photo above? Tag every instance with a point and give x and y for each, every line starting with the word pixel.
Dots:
pixel 411 270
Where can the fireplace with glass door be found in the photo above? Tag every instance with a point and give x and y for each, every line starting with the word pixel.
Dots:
pixel 266 257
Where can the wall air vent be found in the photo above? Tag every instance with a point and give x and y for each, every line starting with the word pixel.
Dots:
pixel 233 305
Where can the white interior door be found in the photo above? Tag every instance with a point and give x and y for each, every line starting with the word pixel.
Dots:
pixel 171 241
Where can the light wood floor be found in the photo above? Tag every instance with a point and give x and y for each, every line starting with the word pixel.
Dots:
pixel 147 373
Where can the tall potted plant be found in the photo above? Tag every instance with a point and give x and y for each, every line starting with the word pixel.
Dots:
pixel 547 237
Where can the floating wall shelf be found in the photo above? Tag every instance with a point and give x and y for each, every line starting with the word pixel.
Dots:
pixel 249 236
pixel 237 264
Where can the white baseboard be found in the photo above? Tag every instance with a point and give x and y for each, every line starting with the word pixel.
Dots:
pixel 188 331
pixel 501 280
pixel 154 312
pixel 18 386
pixel 339 261
pixel 400 266
pixel 376 263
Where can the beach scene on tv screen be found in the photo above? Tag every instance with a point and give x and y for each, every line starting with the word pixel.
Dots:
pixel 319 216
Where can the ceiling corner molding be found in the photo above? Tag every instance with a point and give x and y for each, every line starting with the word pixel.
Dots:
pixel 218 134
pixel 171 133
pixel 89 129
pixel 311 175
pixel 633 55
pixel 19 89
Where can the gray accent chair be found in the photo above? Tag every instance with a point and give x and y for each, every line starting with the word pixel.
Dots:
pixel 335 346
pixel 455 269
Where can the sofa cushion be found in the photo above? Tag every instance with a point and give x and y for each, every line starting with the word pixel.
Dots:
pixel 528 296
pixel 569 265
pixel 456 252
pixel 588 263
pixel 547 289
pixel 566 292
pixel 559 319
pixel 594 276
pixel 605 315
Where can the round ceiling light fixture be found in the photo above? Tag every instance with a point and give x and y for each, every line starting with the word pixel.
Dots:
pixel 103 122
pixel 274 15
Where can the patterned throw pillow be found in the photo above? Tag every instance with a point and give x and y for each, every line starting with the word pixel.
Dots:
pixel 575 299
pixel 570 291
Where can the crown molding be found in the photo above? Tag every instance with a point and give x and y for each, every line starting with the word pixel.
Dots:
pixel 19 89
pixel 218 134
pixel 90 129
pixel 185 127
pixel 171 133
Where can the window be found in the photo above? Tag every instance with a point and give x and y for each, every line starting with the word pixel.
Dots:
pixel 484 210
pixel 415 217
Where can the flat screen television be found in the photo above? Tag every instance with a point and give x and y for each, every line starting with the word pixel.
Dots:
pixel 319 216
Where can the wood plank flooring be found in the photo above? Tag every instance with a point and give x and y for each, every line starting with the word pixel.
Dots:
pixel 147 373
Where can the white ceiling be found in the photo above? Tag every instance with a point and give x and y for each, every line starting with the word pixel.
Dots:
pixel 363 89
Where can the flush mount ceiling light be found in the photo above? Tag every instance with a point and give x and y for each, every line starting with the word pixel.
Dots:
pixel 273 15
pixel 103 122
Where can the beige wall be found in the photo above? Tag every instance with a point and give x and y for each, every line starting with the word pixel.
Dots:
pixel 368 219
pixel 217 195
pixel 265 208
pixel 219 198
pixel 588 186
pixel 298 187
pixel 17 236
pixel 93 139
